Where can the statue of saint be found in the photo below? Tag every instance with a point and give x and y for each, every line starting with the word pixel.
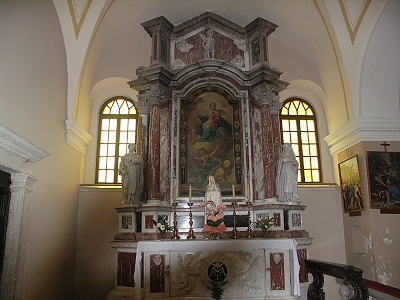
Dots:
pixel 131 171
pixel 208 43
pixel 286 178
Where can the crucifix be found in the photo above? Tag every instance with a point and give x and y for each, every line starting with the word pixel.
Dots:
pixel 385 145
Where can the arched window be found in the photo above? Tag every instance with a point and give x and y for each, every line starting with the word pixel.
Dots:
pixel 299 127
pixel 117 129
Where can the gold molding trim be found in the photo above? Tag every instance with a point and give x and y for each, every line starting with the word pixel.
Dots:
pixel 353 32
pixel 78 24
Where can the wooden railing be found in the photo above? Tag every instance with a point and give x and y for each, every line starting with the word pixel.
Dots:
pixel 350 275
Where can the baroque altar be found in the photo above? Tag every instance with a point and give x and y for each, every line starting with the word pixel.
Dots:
pixel 209 105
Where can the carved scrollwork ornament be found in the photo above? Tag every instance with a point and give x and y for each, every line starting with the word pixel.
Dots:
pixel 275 107
pixel 264 97
pixel 143 104
pixel 155 96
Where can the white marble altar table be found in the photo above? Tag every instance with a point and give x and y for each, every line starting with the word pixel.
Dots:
pixel 220 245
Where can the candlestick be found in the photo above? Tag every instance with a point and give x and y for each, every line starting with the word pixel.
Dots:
pixel 233 191
pixel 175 235
pixel 234 231
pixel 191 235
pixel 248 220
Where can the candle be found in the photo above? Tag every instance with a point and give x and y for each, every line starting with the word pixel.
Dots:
pixel 233 191
pixel 174 193
pixel 248 191
pixel 190 193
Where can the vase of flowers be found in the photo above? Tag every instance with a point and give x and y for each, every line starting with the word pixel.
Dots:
pixel 264 224
pixel 162 226
pixel 214 226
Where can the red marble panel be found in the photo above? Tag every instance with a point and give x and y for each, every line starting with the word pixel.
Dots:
pixel 302 255
pixel 277 267
pixel 154 154
pixel 148 222
pixel 277 219
pixel 157 273
pixel 126 269
pixel 224 48
pixel 269 164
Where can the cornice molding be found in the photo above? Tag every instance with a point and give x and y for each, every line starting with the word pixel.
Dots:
pixel 19 146
pixel 363 129
pixel 77 137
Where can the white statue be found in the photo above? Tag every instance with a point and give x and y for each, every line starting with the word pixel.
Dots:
pixel 286 178
pixel 131 171
pixel 208 43
pixel 213 192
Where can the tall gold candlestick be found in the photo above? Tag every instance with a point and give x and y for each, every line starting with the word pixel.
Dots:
pixel 191 235
pixel 248 220
pixel 234 231
pixel 175 235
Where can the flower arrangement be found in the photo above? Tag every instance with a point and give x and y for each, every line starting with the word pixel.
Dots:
pixel 214 226
pixel 264 224
pixel 162 227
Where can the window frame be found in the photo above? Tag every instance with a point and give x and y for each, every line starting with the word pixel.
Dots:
pixel 117 156
pixel 298 118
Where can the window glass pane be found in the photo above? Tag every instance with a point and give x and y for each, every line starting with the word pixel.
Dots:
pixel 110 162
pixel 105 124
pixel 315 175
pixel 307 162
pixel 304 137
pixel 113 124
pixel 313 150
pixel 293 125
pixel 303 125
pixel 307 176
pixel 310 124
pixel 124 124
pixel 131 137
pixel 132 110
pixel 293 137
pixel 111 150
pixel 102 162
pixel 106 110
pixel 123 149
pixel 132 125
pixel 123 137
pixel 112 136
pixel 301 110
pixel 314 162
pixel 306 150
pixel 124 109
pixel 286 137
pixel 103 149
pixel 114 108
pixel 285 125
pixel 110 176
pixel 104 137
pixel 312 138
pixel 102 176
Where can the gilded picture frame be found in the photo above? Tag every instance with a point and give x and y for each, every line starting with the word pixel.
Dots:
pixel 351 185
pixel 210 141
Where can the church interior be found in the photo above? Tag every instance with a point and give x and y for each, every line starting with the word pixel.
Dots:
pixel 203 88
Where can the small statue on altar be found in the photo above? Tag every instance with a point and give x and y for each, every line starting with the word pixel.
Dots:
pixel 286 179
pixel 213 192
pixel 131 171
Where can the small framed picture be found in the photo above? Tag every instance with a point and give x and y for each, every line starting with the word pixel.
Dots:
pixel 127 222
pixel 351 185
pixel 384 179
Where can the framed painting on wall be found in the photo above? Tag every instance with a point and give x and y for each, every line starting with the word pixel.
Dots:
pixel 351 185
pixel 384 179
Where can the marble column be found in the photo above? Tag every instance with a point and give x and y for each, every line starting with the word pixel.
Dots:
pixel 155 97
pixel 270 135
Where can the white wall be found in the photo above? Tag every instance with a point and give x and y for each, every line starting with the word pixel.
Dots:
pixel 33 83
